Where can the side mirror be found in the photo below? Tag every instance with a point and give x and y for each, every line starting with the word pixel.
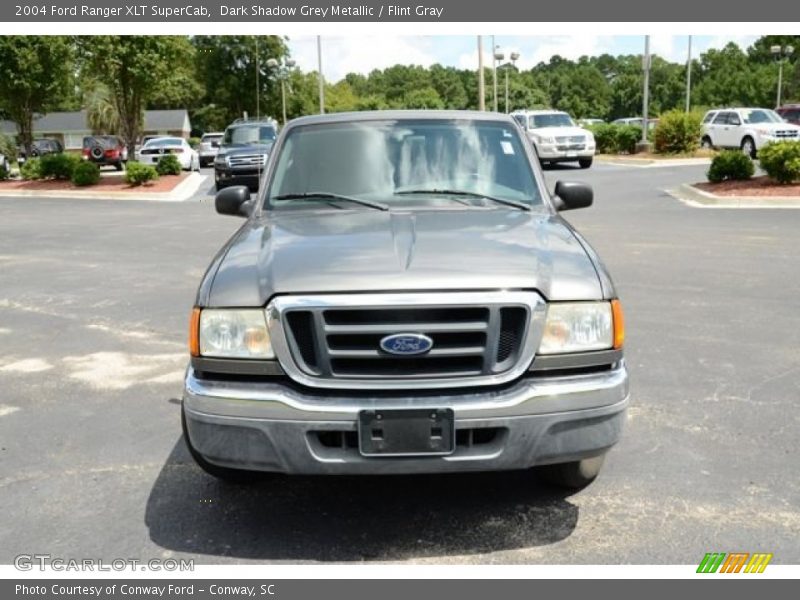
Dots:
pixel 234 201
pixel 570 195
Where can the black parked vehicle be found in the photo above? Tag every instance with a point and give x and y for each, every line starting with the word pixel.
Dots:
pixel 40 147
pixel 243 152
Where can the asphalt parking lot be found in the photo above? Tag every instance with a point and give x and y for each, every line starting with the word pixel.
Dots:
pixel 94 302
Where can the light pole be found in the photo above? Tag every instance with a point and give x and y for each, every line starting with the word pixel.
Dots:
pixel 496 58
pixel 494 73
pixel 514 56
pixel 282 71
pixel 481 82
pixel 644 145
pixel 780 52
pixel 320 78
pixel 689 77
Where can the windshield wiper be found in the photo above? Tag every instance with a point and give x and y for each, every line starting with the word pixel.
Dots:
pixel 330 196
pixel 514 203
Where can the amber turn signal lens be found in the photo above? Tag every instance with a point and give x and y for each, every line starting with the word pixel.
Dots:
pixel 619 324
pixel 194 332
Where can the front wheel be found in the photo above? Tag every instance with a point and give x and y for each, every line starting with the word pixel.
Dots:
pixel 240 476
pixel 585 163
pixel 575 475
pixel 749 147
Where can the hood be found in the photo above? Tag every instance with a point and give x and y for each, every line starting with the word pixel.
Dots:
pixel 320 251
pixel 786 126
pixel 233 149
pixel 560 131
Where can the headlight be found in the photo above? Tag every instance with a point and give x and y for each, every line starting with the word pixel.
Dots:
pixel 230 333
pixel 221 159
pixel 542 139
pixel 582 327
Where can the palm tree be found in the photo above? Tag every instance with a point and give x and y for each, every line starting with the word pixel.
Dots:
pixel 102 115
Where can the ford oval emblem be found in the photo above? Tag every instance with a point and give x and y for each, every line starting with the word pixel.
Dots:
pixel 406 344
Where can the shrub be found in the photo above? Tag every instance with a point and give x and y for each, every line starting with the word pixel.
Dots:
pixel 194 142
pixel 31 169
pixel 678 132
pixel 137 173
pixel 169 165
pixel 627 138
pixel 86 173
pixel 730 164
pixel 4 174
pixel 605 138
pixel 781 161
pixel 58 166
pixel 8 148
pixel 611 138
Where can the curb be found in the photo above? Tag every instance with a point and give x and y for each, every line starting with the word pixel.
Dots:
pixel 694 197
pixel 651 163
pixel 180 193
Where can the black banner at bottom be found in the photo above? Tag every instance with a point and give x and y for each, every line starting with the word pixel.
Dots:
pixel 381 589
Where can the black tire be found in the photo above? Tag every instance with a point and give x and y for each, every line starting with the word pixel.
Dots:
pixel 96 152
pixel 585 163
pixel 238 476
pixel 748 146
pixel 118 166
pixel 574 475
pixel 706 143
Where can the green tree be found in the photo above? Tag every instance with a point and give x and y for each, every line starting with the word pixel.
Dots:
pixel 136 69
pixel 233 71
pixel 35 72
pixel 101 110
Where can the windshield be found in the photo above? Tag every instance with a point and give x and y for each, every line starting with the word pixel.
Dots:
pixel 551 120
pixel 211 138
pixel 760 115
pixel 250 134
pixel 164 142
pixel 408 162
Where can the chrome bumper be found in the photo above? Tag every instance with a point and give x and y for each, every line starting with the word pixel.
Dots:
pixel 273 427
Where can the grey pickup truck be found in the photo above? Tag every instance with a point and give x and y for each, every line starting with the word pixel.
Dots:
pixel 404 297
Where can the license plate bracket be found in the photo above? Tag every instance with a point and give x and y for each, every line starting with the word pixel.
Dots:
pixel 406 432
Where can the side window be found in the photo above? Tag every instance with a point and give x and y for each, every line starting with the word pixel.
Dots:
pixel 733 119
pixel 708 117
pixel 721 119
pixel 521 120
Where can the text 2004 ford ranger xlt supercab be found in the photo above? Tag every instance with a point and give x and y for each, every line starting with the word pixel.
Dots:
pixel 404 298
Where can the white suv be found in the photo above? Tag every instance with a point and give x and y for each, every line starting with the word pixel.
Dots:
pixel 745 128
pixel 556 137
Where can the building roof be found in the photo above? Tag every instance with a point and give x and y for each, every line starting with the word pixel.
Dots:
pixel 75 121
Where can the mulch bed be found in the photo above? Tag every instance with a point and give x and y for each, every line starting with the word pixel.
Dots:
pixel 757 186
pixel 112 183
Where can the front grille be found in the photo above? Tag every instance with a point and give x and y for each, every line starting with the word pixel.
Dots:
pixel 567 147
pixel 480 340
pixel 787 133
pixel 570 139
pixel 469 438
pixel 247 160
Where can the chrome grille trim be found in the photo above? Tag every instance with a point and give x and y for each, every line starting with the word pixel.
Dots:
pixel 249 160
pixel 490 372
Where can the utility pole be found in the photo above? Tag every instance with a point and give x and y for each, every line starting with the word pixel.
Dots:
pixel 320 77
pixel 494 76
pixel 644 145
pixel 481 82
pixel 689 77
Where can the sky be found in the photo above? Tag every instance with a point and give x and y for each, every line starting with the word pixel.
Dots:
pixel 361 54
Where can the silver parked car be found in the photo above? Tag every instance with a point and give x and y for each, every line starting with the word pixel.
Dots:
pixel 404 297
pixel 209 148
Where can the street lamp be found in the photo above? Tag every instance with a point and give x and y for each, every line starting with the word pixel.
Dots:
pixel 495 57
pixel 282 70
pixel 780 53
pixel 514 56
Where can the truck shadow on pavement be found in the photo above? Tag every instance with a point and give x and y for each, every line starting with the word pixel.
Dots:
pixel 353 518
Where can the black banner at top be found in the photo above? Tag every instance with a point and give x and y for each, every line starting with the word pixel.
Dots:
pixel 318 11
